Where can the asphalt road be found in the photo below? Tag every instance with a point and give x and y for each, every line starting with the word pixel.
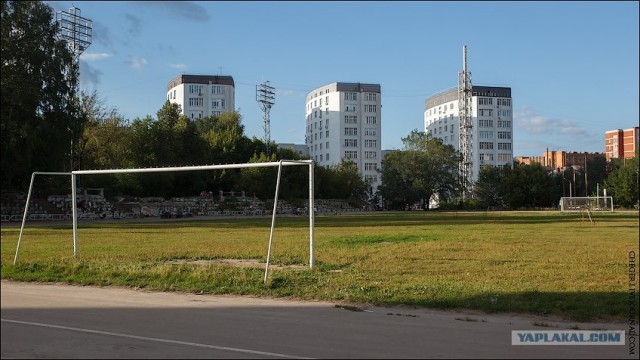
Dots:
pixel 60 321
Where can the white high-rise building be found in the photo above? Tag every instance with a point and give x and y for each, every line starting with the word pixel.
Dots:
pixel 202 95
pixel 492 124
pixel 344 122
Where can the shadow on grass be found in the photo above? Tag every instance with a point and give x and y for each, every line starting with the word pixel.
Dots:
pixel 611 306
pixel 574 306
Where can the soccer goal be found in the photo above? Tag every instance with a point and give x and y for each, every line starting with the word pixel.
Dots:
pixel 591 203
pixel 279 164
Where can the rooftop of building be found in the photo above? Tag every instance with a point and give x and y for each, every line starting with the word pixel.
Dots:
pixel 451 94
pixel 200 79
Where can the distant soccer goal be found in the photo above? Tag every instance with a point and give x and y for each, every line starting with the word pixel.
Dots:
pixel 279 164
pixel 592 203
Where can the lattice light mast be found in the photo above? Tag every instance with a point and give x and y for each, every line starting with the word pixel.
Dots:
pixel 465 114
pixel 266 96
pixel 77 32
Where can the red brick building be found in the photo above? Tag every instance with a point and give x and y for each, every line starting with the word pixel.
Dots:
pixel 621 143
pixel 554 160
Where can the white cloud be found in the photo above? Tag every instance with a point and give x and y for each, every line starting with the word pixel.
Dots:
pixel 89 77
pixel 533 123
pixel 89 57
pixel 137 63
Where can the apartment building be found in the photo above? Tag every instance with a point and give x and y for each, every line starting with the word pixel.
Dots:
pixel 492 124
pixel 343 121
pixel 202 95
pixel 621 143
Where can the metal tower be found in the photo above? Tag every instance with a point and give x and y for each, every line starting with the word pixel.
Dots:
pixel 75 30
pixel 266 96
pixel 465 114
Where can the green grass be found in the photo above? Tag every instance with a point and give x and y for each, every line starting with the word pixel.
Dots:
pixel 543 263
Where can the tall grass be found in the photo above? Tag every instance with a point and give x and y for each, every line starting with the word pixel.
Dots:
pixel 531 262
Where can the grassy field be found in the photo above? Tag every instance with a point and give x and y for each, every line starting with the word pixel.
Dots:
pixel 530 262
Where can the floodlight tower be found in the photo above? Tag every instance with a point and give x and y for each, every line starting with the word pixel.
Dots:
pixel 266 96
pixel 465 114
pixel 77 32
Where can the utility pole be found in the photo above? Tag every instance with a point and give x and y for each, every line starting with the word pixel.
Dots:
pixel 266 96
pixel 465 114
pixel 586 187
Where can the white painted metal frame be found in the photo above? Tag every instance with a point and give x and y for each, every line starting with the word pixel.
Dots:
pixel 279 164
pixel 578 203
pixel 26 205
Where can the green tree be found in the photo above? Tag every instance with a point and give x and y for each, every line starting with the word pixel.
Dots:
pixel 39 111
pixel 395 190
pixel 527 186
pixel 426 166
pixel 487 188
pixel 622 183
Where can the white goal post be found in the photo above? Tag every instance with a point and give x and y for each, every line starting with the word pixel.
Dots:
pixel 279 164
pixel 593 203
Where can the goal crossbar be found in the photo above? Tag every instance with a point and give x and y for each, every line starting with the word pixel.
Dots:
pixel 279 164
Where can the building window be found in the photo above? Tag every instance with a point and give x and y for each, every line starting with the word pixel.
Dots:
pixel 350 154
pixel 350 119
pixel 371 96
pixel 327 157
pixel 350 108
pixel 485 112
pixel 370 143
pixel 486 157
pixel 369 166
pixel 371 108
pixel 351 96
pixel 196 101
pixel 371 120
pixel 370 131
pixel 486 134
pixel 326 146
pixel 486 145
pixel 351 131
pixel 504 135
pixel 504 146
pixel 504 102
pixel 327 134
pixel 217 90
pixel 485 101
pixel 370 155
pixel 504 123
pixel 504 157
pixel 485 123
pixel 350 142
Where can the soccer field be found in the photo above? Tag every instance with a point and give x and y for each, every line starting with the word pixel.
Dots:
pixel 531 262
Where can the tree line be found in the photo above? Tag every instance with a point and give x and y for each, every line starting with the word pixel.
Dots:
pixel 47 125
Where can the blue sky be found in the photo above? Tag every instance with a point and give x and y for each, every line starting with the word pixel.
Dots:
pixel 572 66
